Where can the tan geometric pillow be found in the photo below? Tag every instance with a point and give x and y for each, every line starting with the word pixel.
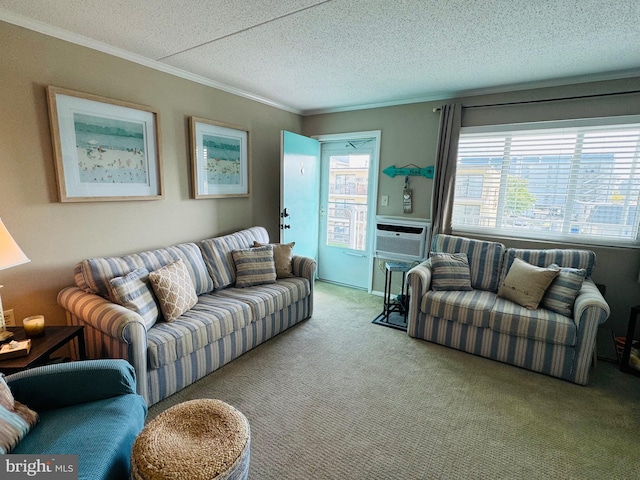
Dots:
pixel 282 256
pixel 525 284
pixel 174 289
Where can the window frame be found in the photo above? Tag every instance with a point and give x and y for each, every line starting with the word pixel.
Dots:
pixel 563 237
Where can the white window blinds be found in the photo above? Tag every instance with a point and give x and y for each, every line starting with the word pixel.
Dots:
pixel 576 181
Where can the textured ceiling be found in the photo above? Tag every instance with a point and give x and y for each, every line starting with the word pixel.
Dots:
pixel 311 56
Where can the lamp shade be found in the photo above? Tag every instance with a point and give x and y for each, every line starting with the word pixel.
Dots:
pixel 10 253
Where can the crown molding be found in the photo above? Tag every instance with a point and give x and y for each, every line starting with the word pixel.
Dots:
pixel 508 88
pixel 83 41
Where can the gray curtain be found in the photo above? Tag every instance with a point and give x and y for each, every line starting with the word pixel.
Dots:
pixel 445 168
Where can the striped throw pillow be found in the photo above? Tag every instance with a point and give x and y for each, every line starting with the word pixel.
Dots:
pixel 16 419
pixel 254 266
pixel 134 292
pixel 562 293
pixel 450 271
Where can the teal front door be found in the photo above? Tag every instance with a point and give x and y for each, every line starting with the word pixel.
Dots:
pixel 299 190
pixel 347 202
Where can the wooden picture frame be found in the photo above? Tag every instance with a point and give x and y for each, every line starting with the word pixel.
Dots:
pixel 104 149
pixel 220 159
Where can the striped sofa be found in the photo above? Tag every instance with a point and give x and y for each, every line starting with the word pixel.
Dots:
pixel 225 322
pixel 478 321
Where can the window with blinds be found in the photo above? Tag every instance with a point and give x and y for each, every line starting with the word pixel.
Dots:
pixel 576 181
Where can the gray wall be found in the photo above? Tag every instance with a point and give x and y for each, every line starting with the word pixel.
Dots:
pixel 409 135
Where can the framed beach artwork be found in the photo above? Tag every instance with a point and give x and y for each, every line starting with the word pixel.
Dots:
pixel 220 159
pixel 104 149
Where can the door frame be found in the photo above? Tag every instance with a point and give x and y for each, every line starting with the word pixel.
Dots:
pixel 374 169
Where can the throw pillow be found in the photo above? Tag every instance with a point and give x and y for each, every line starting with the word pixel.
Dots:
pixel 450 271
pixel 525 284
pixel 254 266
pixel 562 293
pixel 135 292
pixel 16 419
pixel 282 256
pixel 174 288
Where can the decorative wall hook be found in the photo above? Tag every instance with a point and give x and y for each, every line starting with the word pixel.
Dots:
pixel 406 171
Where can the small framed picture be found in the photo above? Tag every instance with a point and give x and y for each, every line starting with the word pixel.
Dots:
pixel 104 149
pixel 220 159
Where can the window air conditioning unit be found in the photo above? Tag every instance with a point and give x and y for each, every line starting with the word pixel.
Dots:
pixel 401 239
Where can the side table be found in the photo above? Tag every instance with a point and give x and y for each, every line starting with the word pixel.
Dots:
pixel 626 353
pixel 400 306
pixel 43 346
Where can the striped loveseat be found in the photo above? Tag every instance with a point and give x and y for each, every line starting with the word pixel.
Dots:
pixel 225 322
pixel 479 321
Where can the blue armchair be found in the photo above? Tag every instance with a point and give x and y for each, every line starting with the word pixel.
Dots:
pixel 87 408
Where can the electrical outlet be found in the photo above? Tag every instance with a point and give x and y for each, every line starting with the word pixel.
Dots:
pixel 9 319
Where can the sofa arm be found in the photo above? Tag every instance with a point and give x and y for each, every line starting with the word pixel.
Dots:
pixel 63 384
pixel 109 318
pixel 123 333
pixel 304 267
pixel 419 278
pixel 590 305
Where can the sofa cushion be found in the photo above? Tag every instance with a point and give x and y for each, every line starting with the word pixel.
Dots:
pixel 562 293
pixel 450 271
pixel 469 307
pixel 134 291
pixel 174 289
pixel 485 258
pixel 16 419
pixel 217 253
pixel 254 266
pixel 525 284
pixel 93 274
pixel 569 258
pixel 101 433
pixel 267 299
pixel 282 256
pixel 544 325
pixel 206 322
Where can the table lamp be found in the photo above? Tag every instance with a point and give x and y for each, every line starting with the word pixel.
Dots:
pixel 10 256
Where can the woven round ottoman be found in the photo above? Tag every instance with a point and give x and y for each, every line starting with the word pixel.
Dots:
pixel 194 440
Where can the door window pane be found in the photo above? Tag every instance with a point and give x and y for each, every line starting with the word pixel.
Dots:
pixel 347 202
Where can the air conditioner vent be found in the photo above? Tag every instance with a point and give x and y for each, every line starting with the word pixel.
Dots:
pixel 401 239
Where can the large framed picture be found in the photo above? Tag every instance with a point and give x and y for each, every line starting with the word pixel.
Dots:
pixel 104 149
pixel 220 159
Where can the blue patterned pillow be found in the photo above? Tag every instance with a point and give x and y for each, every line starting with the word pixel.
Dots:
pixel 450 271
pixel 562 293
pixel 254 266
pixel 134 292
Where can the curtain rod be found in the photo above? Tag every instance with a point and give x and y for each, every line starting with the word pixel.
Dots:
pixel 544 100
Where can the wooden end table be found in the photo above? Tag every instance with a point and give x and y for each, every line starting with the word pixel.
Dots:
pixel 42 347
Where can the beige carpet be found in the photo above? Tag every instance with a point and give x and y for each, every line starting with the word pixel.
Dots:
pixel 337 397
